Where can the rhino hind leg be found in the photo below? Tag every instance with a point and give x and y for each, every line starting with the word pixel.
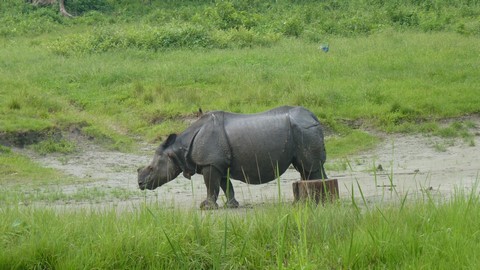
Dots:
pixel 227 188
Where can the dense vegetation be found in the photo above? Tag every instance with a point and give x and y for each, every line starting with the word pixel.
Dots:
pixel 198 22
pixel 122 71
pixel 427 234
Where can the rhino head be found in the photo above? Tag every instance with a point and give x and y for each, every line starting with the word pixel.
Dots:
pixel 162 169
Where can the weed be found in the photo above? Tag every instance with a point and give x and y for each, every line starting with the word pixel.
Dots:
pixel 14 105
pixel 5 150
pixel 54 146
pixel 440 147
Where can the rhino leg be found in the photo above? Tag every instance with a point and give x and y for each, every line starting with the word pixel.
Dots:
pixel 227 188
pixel 311 175
pixel 211 177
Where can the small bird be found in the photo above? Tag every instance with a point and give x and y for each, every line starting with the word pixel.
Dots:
pixel 324 47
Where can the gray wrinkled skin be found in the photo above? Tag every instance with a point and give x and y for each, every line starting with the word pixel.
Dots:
pixel 252 148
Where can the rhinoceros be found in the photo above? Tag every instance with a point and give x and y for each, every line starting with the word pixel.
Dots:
pixel 253 148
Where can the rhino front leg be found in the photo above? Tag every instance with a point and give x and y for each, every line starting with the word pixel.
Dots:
pixel 309 174
pixel 212 177
pixel 227 188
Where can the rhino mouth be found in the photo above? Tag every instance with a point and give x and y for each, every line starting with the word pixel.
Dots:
pixel 145 183
pixel 148 183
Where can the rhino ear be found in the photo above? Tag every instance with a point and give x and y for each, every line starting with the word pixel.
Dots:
pixel 170 140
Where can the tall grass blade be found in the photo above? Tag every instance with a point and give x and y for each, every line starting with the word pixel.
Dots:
pixel 473 196
pixel 172 246
pixel 362 195
pixel 282 234
pixel 277 174
pixel 404 200
pixel 354 203
pixel 351 261
pixel 226 216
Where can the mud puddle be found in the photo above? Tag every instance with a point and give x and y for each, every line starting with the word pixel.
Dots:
pixel 402 165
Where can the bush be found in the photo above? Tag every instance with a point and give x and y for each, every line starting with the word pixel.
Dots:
pixel 159 38
pixel 293 27
pixel 225 15
pixel 82 6
pixel 241 38
pixel 28 19
pixel 290 18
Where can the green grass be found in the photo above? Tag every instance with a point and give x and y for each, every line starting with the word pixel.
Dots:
pixel 416 233
pixel 54 146
pixel 20 170
pixel 57 194
pixel 390 80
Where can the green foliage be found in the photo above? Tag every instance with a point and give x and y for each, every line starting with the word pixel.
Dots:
pixel 350 143
pixel 79 7
pixel 159 38
pixel 458 129
pixel 226 15
pixel 293 27
pixel 51 194
pixel 308 19
pixel 409 234
pixel 389 80
pixel 19 17
pixel 5 150
pixel 54 146
pixel 21 170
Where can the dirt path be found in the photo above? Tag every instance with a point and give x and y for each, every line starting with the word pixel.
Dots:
pixel 415 165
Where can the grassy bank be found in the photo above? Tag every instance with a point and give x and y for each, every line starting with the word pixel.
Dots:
pixel 416 233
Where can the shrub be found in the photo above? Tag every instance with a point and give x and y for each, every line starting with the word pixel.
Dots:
pixel 82 6
pixel 293 27
pixel 403 17
pixel 241 38
pixel 226 15
pixel 5 150
pixel 159 38
pixel 54 146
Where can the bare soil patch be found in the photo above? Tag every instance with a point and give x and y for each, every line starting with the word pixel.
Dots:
pixel 402 165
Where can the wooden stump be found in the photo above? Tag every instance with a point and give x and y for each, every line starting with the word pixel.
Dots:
pixel 316 190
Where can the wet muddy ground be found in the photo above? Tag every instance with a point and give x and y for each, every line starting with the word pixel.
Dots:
pixel 402 165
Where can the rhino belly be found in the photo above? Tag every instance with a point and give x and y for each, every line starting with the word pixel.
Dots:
pixel 261 148
pixel 257 172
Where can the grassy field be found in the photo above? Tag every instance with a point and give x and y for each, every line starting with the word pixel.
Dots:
pixel 123 72
pixel 410 234
pixel 390 80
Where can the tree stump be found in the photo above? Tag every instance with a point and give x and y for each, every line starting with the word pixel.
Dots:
pixel 316 190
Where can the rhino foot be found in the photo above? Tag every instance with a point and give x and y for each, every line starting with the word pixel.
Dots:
pixel 232 204
pixel 208 205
